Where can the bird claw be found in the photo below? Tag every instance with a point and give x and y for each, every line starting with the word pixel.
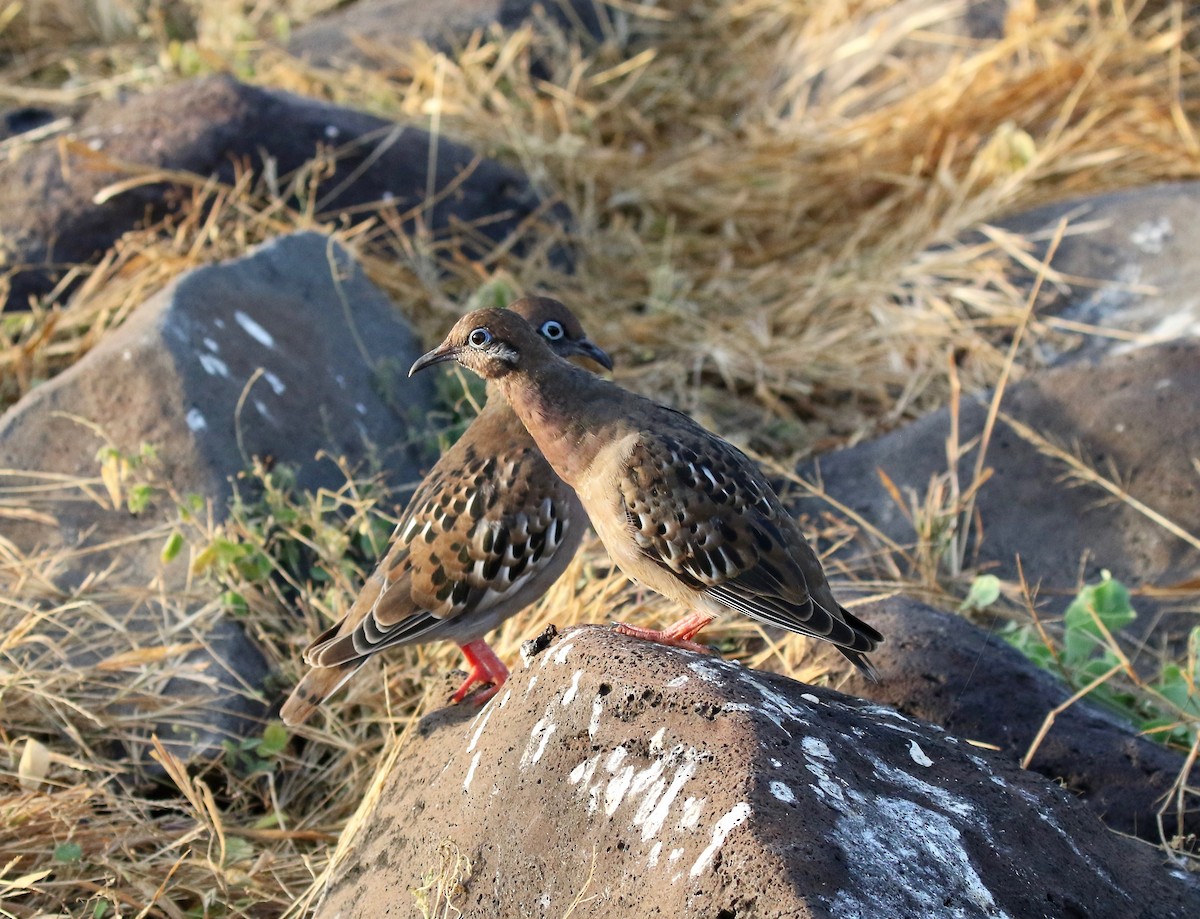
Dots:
pixel 664 637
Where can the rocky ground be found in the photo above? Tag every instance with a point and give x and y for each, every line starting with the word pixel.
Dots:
pixel 610 777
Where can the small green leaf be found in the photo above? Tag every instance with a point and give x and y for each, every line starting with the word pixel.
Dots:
pixel 100 910
pixel 1173 686
pixel 171 547
pixel 1109 600
pixel 985 590
pixel 139 497
pixel 274 739
pixel 68 852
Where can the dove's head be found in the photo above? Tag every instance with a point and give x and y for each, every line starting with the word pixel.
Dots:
pixel 494 343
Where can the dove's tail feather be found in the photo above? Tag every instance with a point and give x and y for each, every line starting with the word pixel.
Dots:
pixel 318 685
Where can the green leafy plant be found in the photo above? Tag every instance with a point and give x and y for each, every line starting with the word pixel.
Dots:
pixel 256 754
pixel 1165 707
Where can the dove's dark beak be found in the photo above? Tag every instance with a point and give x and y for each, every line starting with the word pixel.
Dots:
pixel 594 352
pixel 437 356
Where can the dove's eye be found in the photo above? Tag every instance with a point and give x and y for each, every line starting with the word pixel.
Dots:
pixel 552 330
pixel 480 338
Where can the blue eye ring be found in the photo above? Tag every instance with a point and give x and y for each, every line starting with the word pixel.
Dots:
pixel 552 330
pixel 479 338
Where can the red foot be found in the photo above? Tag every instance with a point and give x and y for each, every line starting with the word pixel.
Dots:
pixel 485 667
pixel 678 635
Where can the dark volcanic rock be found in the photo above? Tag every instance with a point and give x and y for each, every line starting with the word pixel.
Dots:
pixel 49 217
pixel 334 39
pixel 648 781
pixel 294 333
pixel 938 667
pixel 1134 412
pixel 1128 258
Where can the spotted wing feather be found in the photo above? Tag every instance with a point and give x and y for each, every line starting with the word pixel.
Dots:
pixel 700 508
pixel 478 529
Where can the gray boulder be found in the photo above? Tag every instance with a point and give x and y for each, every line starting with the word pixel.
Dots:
pixel 285 352
pixel 1134 413
pixel 940 668
pixel 50 218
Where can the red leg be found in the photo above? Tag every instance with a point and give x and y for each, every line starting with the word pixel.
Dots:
pixel 485 667
pixel 678 635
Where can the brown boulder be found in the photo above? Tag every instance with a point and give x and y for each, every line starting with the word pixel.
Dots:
pixel 631 779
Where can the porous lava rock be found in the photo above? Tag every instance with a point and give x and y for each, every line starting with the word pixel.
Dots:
pixel 1132 416
pixel 53 213
pixel 631 779
pixel 938 667
pixel 289 353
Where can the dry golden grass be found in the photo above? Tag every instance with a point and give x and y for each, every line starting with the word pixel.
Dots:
pixel 768 197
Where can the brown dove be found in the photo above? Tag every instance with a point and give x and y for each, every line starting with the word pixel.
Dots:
pixel 679 510
pixel 486 533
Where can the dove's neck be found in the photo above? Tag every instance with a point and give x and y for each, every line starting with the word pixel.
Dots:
pixel 566 410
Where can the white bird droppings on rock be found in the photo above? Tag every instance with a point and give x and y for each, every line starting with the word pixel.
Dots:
pixel 614 794
pixel 692 809
pixel 782 792
pixel 597 710
pixel 196 420
pixel 276 384
pixel 918 755
pixel 652 860
pixel 676 682
pixel 213 365
pixel 538 738
pixel 471 770
pixel 815 746
pixel 924 855
pixel 738 814
pixel 254 330
pixel 939 796
pixel 613 763
pixel 560 656
pixel 486 716
pixel 573 689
